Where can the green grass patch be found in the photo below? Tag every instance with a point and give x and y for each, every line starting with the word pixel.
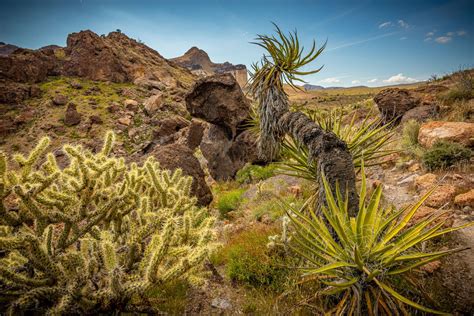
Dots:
pixel 229 201
pixel 250 262
pixel 254 173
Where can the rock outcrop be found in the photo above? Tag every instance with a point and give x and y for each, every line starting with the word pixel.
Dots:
pixel 220 102
pixel 394 102
pixel 418 104
pixel 199 63
pixel 458 132
pixel 114 57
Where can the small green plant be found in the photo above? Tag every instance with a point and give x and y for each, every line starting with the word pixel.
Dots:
pixel 253 173
pixel 362 259
pixel 229 201
pixel 410 138
pixel 249 261
pixel 445 154
pixel 463 88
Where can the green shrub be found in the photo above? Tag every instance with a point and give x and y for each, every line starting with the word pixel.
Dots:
pixel 250 262
pixel 363 261
pixel 253 173
pixel 229 201
pixel 90 237
pixel 410 138
pixel 274 207
pixel 445 154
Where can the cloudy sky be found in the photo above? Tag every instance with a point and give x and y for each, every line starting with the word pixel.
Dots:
pixel 369 42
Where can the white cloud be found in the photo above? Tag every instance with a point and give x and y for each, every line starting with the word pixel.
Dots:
pixel 450 34
pixel 355 81
pixel 443 39
pixel 330 80
pixel 385 24
pixel 403 38
pixel 429 34
pixel 403 24
pixel 400 78
pixel 372 80
pixel 461 33
pixel 428 39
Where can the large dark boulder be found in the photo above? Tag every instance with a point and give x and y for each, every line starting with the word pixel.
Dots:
pixel 219 100
pixel 394 102
pixel 225 157
pixel 420 113
pixel 174 156
pixel 13 92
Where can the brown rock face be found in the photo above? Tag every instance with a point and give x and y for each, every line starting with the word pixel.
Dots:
pixel 91 57
pixel 219 100
pixel 465 199
pixel 13 92
pixel 444 194
pixel 458 132
pixel 72 117
pixel 175 156
pixel 115 58
pixel 420 113
pixel 394 102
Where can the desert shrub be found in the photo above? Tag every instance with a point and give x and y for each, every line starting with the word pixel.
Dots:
pixel 229 201
pixel 410 138
pixel 274 207
pixel 94 235
pixel 463 88
pixel 249 261
pixel 251 173
pixel 361 260
pixel 445 154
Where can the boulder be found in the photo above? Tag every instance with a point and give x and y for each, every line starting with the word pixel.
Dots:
pixel 13 92
pixel 60 99
pixel 443 194
pixel 175 156
pixel 95 119
pixel 168 127
pixel 153 104
pixel 72 117
pixel 225 157
pixel 125 120
pixel 458 132
pixel 425 182
pixel 191 135
pixel 130 103
pixel 215 147
pixel 420 113
pixel 393 103
pixel 465 199
pixel 244 149
pixel 219 100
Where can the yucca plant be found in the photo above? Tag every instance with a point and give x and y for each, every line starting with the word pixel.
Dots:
pixel 367 141
pixel 359 259
pixel 282 64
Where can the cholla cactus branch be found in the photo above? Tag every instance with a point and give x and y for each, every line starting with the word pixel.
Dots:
pixel 90 236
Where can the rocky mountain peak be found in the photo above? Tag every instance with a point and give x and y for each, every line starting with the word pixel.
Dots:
pixel 199 62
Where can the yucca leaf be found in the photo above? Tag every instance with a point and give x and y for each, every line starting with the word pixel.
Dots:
pixel 406 300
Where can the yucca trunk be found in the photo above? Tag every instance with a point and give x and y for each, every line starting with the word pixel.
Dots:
pixel 332 153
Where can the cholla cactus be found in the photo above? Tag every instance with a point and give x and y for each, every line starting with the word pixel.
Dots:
pixel 94 235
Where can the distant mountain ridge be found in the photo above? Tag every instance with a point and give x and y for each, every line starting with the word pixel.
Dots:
pixel 199 63
pixel 310 87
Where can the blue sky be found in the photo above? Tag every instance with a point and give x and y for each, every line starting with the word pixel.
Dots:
pixel 369 42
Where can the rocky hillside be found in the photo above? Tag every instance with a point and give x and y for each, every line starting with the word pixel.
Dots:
pixel 198 61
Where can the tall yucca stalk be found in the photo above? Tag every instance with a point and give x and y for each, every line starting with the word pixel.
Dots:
pixel 285 57
pixel 357 258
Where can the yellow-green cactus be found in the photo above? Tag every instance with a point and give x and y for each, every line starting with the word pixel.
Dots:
pixel 90 236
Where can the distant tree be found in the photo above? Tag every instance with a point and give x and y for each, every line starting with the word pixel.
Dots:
pixel 118 30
